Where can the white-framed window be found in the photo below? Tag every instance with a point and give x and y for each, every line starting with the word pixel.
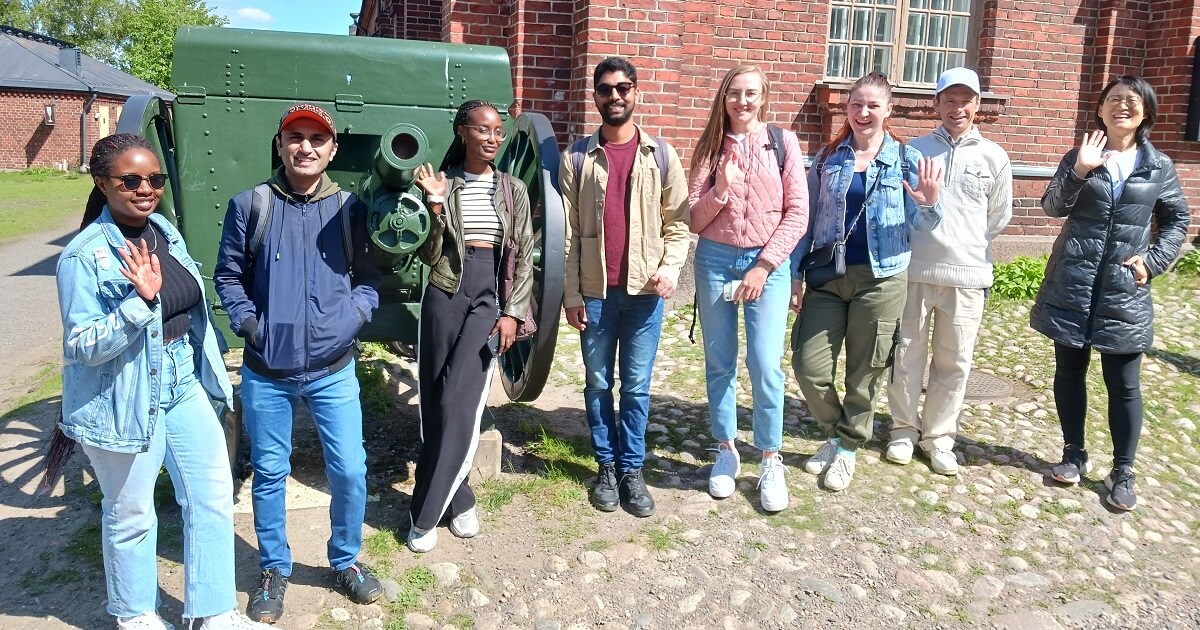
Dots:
pixel 911 41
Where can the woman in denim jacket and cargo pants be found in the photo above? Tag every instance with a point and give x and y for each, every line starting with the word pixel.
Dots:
pixel 136 396
pixel 863 171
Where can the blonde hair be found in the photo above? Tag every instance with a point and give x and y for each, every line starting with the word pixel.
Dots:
pixel 718 119
pixel 875 80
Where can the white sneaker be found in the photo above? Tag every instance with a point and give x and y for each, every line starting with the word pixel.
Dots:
pixel 231 620
pixel 820 461
pixel 722 480
pixel 944 461
pixel 900 451
pixel 146 621
pixel 772 484
pixel 841 471
pixel 465 525
pixel 421 541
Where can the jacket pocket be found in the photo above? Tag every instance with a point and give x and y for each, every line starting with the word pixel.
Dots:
pixel 887 335
pixel 976 182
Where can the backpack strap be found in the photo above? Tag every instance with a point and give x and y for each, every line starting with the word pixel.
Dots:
pixel 261 202
pixel 904 161
pixel 661 159
pixel 776 135
pixel 347 233
pixel 577 151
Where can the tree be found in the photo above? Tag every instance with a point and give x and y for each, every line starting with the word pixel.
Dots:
pixel 148 28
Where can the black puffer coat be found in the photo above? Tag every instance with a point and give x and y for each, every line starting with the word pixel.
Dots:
pixel 1089 297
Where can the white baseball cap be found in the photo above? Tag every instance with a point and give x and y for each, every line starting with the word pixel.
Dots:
pixel 958 76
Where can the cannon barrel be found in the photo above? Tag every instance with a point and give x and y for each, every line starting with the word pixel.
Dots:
pixel 402 149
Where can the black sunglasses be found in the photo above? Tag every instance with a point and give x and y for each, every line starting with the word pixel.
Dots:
pixel 132 182
pixel 605 90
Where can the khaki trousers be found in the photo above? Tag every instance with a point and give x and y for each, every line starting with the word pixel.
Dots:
pixel 953 316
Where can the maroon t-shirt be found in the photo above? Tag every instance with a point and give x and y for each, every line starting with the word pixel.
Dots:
pixel 616 209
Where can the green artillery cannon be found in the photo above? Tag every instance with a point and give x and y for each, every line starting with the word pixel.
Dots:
pixel 393 102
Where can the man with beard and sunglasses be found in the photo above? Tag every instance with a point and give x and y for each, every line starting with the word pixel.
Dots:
pixel 625 195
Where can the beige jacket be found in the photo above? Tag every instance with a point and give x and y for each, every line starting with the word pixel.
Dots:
pixel 658 221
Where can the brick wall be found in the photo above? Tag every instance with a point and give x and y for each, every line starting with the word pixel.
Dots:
pixel 1044 61
pixel 27 142
pixel 401 19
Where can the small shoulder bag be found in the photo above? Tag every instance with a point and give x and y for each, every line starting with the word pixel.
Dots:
pixel 508 265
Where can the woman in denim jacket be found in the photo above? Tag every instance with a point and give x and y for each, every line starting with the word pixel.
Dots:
pixel 868 190
pixel 136 396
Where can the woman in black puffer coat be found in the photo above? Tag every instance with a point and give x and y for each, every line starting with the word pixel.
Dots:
pixel 1126 219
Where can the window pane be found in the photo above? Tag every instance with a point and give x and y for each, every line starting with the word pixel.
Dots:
pixel 884 25
pixel 940 5
pixel 933 65
pixel 916 29
pixel 881 60
pixel 954 60
pixel 839 23
pixel 862 25
pixel 918 4
pixel 963 6
pixel 937 30
pixel 889 3
pixel 858 61
pixel 836 65
pixel 958 32
pixel 912 66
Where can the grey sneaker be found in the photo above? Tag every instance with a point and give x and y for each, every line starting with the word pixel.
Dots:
pixel 841 471
pixel 1074 464
pixel 772 484
pixel 820 461
pixel 1120 488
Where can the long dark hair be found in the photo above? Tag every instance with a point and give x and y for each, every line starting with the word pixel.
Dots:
pixel 457 152
pixel 1145 92
pixel 104 154
pixel 873 79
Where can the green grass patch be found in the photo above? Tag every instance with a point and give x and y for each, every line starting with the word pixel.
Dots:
pixel 49 386
pixel 40 199
pixel 461 621
pixel 85 546
pixel 413 583
pixel 599 545
pixel 41 580
pixel 663 537
pixel 1189 264
pixel 380 546
pixel 374 389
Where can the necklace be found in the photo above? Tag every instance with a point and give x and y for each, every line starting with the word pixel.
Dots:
pixel 153 235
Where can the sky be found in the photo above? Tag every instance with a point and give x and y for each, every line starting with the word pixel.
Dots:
pixel 304 16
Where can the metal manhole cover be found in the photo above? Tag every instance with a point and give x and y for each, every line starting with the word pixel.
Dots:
pixel 981 385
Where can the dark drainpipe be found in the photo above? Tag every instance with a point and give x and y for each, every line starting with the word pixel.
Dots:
pixel 83 139
pixel 71 61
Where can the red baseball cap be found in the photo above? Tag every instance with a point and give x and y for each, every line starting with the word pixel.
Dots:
pixel 307 111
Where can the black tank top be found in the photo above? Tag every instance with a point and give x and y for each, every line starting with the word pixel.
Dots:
pixel 179 291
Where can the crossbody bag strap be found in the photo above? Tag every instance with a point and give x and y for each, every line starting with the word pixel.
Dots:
pixel 866 200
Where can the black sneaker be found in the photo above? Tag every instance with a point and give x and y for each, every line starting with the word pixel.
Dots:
pixel 1073 466
pixel 1120 488
pixel 266 605
pixel 604 495
pixel 357 584
pixel 634 494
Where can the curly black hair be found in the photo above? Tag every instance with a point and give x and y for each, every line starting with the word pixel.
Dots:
pixel 105 153
pixel 458 151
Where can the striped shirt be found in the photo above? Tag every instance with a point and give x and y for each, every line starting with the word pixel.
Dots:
pixel 479 219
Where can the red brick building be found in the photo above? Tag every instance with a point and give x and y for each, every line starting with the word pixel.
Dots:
pixel 55 101
pixel 1041 62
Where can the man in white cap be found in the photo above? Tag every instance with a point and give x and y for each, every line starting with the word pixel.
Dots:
pixel 951 270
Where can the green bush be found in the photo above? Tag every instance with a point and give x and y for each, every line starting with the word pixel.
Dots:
pixel 1189 265
pixel 1019 279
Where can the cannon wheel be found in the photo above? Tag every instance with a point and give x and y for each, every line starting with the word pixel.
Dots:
pixel 532 155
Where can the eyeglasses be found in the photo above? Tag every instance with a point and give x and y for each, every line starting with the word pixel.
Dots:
pixel 1129 101
pixel 605 90
pixel 133 182
pixel 485 134
pixel 749 96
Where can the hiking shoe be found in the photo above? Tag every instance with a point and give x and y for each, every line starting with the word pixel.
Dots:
pixel 147 621
pixel 357 584
pixel 772 484
pixel 722 479
pixel 1120 488
pixel 943 461
pixel 231 620
pixel 635 496
pixel 605 496
pixel 820 461
pixel 420 540
pixel 841 470
pixel 266 605
pixel 900 451
pixel 1074 464
pixel 465 525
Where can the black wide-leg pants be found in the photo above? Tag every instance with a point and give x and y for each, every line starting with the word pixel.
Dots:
pixel 454 372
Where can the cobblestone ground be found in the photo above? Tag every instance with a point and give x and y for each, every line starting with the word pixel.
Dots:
pixel 1000 545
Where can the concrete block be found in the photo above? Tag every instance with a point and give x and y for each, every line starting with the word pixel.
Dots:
pixel 487 456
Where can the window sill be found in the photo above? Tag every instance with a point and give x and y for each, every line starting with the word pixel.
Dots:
pixel 909 102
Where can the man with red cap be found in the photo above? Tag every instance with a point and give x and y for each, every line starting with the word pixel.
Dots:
pixel 295 275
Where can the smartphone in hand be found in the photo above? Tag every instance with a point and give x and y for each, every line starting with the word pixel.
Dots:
pixel 493 344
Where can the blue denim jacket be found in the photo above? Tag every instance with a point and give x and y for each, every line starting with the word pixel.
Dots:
pixel 112 341
pixel 890 211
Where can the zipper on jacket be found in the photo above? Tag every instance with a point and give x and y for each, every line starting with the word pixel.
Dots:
pixel 307 329
pixel 1098 284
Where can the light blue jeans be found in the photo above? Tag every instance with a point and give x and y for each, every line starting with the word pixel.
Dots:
pixel 267 408
pixel 189 440
pixel 628 326
pixel 766 327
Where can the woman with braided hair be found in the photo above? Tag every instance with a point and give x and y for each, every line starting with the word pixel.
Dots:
pixel 136 397
pixel 463 327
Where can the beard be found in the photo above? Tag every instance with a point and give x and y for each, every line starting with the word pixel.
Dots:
pixel 616 119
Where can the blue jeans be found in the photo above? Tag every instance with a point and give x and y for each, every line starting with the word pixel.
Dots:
pixel 333 401
pixel 766 326
pixel 185 438
pixel 630 323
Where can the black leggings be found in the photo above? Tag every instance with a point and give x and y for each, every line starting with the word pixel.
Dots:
pixel 1122 380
